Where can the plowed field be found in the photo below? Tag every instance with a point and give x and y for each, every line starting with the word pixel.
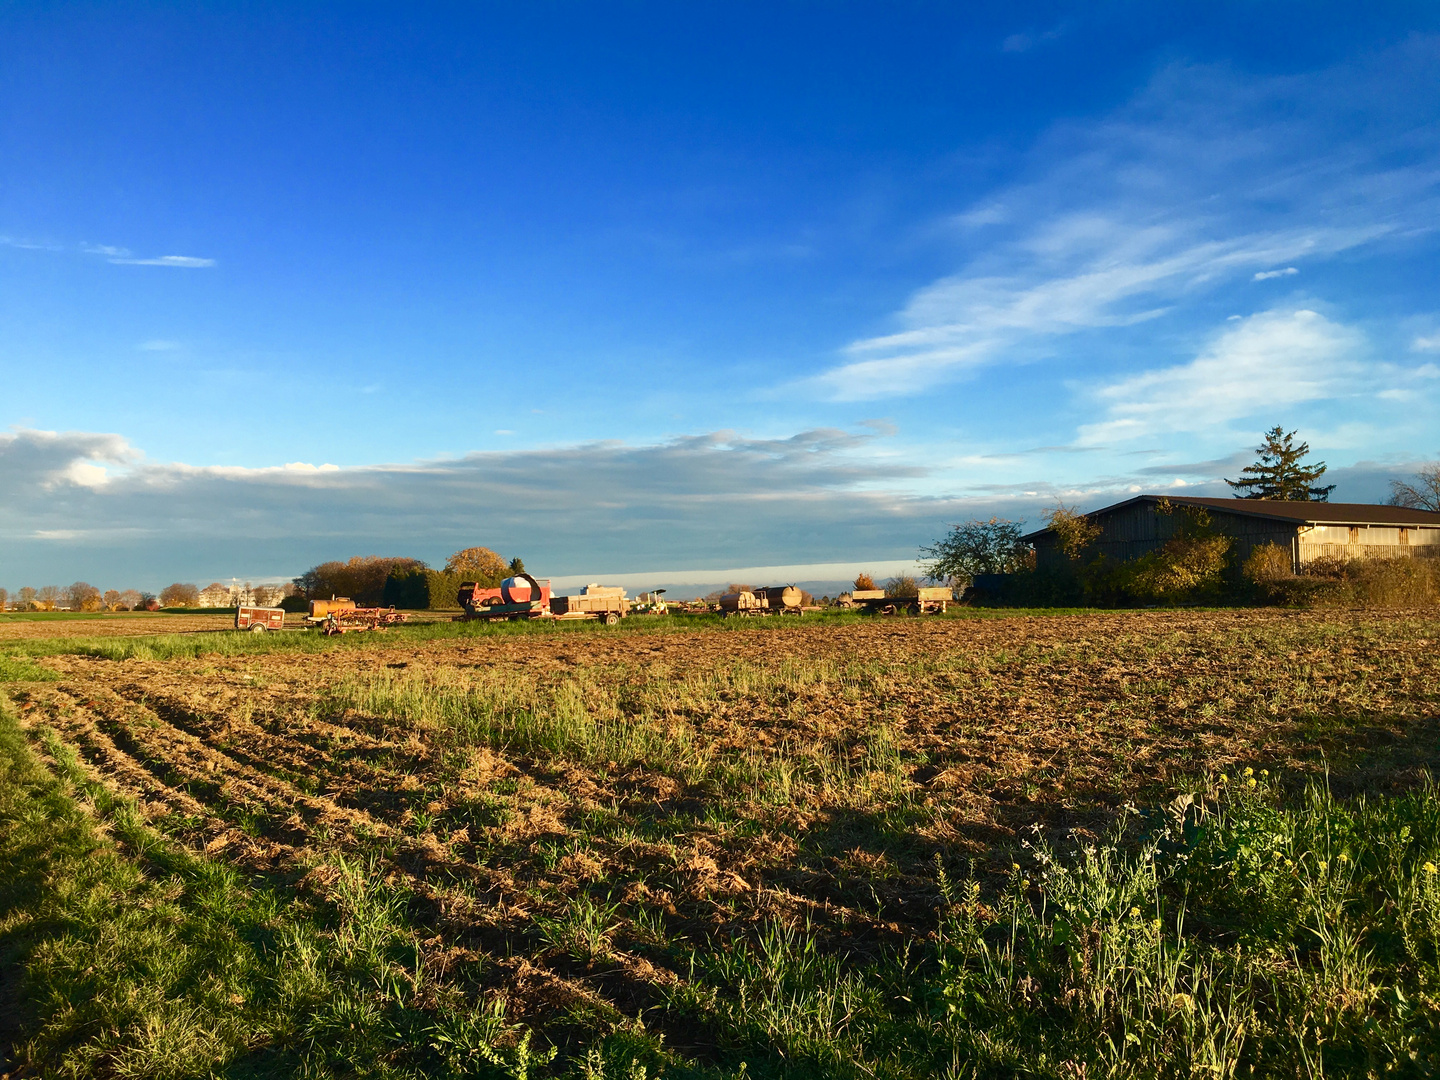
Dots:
pixel 576 814
pixel 39 626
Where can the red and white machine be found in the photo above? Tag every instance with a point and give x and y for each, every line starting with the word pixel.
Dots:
pixel 522 597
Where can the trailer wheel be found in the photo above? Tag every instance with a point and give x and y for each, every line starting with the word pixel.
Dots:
pixel 609 618
pixel 257 628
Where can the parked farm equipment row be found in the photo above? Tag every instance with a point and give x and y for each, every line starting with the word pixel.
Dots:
pixel 338 615
pixel 522 597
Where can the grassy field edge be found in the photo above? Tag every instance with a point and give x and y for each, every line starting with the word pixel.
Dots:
pixel 125 955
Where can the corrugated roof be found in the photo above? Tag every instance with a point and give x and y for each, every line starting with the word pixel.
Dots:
pixel 1298 513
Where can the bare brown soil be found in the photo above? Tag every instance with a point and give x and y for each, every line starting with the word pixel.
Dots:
pixel 34 627
pixel 872 750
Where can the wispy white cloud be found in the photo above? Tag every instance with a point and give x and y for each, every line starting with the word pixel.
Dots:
pixel 158 345
pixel 1426 344
pixel 23 244
pixel 188 261
pixel 1194 185
pixel 1025 41
pixel 120 256
pixel 1268 361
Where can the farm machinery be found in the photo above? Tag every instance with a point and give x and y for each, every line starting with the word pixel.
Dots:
pixel 522 597
pixel 772 600
pixel 650 603
pixel 925 601
pixel 339 615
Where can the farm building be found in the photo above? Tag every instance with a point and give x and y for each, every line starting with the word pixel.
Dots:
pixel 1310 530
pixel 215 595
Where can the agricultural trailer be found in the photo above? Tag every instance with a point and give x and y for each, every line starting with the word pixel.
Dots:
pixel 927 601
pixel 259 619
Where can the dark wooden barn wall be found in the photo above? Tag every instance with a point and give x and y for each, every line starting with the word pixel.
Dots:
pixel 1134 530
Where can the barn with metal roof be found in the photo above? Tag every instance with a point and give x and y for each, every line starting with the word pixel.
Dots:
pixel 1309 530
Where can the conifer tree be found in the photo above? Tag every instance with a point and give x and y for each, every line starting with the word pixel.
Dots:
pixel 1278 474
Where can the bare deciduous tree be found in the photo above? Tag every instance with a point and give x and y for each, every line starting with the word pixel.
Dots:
pixel 1423 494
pixel 902 585
pixel 82 596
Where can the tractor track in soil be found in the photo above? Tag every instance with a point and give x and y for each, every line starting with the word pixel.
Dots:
pixel 161 771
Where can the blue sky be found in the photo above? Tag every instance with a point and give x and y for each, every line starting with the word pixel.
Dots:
pixel 635 288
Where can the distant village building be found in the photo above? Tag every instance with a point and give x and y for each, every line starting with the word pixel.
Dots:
pixel 1308 530
pixel 215 595
pixel 218 595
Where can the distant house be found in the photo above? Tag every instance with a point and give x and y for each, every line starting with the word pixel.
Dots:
pixel 218 595
pixel 1309 530
pixel 215 595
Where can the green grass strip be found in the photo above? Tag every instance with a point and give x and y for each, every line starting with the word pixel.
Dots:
pixel 19 669
pixel 133 957
pixel 162 646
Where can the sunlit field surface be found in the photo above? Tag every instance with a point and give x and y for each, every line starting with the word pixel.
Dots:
pixel 1048 844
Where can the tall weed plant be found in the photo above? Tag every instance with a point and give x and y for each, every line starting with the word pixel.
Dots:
pixel 1240 934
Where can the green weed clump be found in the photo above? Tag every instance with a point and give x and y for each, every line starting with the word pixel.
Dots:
pixel 1241 936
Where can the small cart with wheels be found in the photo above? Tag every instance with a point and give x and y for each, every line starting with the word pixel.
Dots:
pixel 259 619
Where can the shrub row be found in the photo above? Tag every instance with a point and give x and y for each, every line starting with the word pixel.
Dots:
pixel 1203 572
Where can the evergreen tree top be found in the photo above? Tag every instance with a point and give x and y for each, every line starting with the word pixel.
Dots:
pixel 1278 474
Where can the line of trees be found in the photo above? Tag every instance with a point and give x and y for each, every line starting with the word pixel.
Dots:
pixel 81 596
pixel 399 581
pixel 369 580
